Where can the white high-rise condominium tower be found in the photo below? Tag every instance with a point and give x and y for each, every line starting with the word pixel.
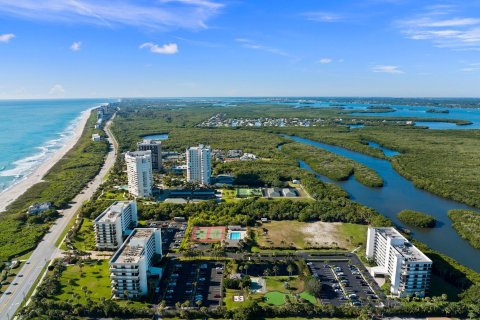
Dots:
pixel 139 170
pixel 115 223
pixel 199 164
pixel 132 264
pixel 156 147
pixel 406 266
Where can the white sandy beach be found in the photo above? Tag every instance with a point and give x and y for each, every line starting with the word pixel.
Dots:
pixel 9 195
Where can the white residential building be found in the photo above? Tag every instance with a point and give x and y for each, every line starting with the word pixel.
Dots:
pixel 156 147
pixel 115 223
pixel 131 265
pixel 139 170
pixel 406 266
pixel 199 164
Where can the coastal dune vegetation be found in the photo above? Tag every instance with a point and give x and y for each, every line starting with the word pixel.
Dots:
pixel 20 233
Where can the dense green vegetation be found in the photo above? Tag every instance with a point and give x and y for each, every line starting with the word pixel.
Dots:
pixel 444 162
pixel 467 224
pixel 246 212
pixel 332 165
pixel 416 219
pixel 18 232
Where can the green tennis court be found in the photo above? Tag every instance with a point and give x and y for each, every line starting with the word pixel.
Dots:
pixel 208 234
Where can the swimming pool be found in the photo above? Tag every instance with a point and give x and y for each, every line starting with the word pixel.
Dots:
pixel 235 235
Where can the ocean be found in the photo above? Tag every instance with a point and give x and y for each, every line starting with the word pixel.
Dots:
pixel 32 130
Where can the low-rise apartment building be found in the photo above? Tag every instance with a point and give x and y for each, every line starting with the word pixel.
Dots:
pixel 406 266
pixel 115 223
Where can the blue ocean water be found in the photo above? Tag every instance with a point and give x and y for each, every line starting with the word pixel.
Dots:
pixel 32 130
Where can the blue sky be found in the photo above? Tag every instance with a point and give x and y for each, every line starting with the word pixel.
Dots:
pixel 166 48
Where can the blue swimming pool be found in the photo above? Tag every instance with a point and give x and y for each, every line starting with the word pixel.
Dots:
pixel 235 235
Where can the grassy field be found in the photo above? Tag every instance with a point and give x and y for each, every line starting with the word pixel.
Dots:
pixel 278 284
pixel 96 278
pixel 276 292
pixel 303 235
pixel 85 239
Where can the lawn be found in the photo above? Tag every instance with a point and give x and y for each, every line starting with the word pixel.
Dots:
pixel 301 235
pixel 278 298
pixel 278 284
pixel 94 276
pixel 230 293
pixel 85 239
pixel 356 234
pixel 96 279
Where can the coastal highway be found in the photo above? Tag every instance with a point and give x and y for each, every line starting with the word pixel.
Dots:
pixel 46 249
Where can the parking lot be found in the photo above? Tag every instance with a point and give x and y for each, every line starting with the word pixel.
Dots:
pixel 198 282
pixel 172 234
pixel 343 282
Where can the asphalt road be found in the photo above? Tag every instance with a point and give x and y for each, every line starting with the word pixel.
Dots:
pixel 46 249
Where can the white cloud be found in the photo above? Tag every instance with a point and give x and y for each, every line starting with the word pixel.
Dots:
pixel 6 37
pixel 169 48
pixel 325 61
pixel 161 14
pixel 76 46
pixel 57 90
pixel 247 43
pixel 471 67
pixel 387 69
pixel 321 16
pixel 442 26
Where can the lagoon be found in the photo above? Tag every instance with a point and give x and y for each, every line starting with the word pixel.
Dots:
pixel 398 194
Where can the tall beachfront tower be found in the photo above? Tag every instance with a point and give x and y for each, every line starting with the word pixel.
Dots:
pixel 199 164
pixel 156 147
pixel 132 265
pixel 115 223
pixel 139 170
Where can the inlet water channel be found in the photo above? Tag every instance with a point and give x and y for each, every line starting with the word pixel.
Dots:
pixel 398 194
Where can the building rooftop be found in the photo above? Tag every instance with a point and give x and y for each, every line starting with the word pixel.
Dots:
pixel 111 213
pixel 139 153
pixel 403 246
pixel 133 248
pixel 149 141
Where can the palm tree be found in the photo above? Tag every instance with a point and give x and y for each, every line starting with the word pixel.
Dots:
pixel 126 293
pixel 77 297
pixel 267 272
pixel 198 303
pixel 290 269
pixel 275 270
pixel 246 269
pixel 178 305
pixel 84 289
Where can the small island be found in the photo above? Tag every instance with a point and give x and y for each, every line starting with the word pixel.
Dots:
pixel 437 111
pixel 416 219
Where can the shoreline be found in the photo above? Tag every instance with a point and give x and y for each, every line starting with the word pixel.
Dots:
pixel 12 193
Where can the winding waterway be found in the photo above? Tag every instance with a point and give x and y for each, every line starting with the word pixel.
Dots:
pixel 398 194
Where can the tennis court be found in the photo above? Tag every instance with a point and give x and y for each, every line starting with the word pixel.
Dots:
pixel 249 192
pixel 208 234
